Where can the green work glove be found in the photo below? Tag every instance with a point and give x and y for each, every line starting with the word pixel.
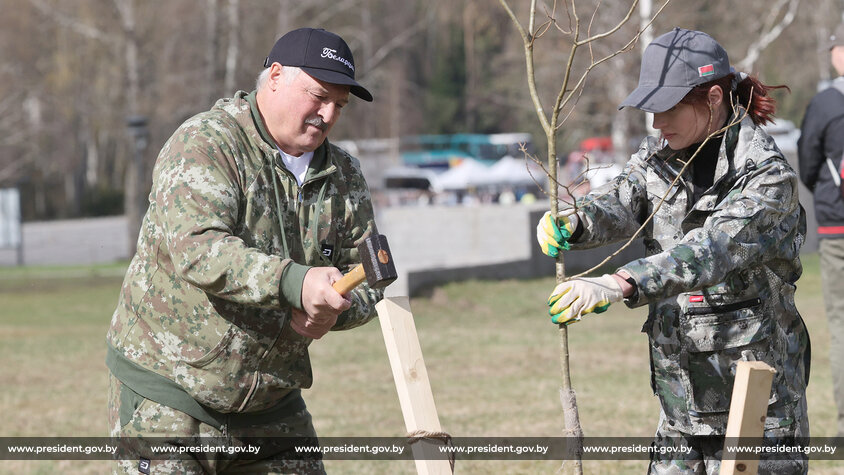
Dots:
pixel 577 297
pixel 553 234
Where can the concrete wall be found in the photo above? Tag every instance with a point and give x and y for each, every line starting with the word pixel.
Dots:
pixel 431 245
pixel 75 241
pixel 437 244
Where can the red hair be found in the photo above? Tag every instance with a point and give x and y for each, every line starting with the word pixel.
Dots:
pixel 751 94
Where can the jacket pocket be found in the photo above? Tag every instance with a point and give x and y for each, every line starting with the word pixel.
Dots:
pixel 130 405
pixel 664 225
pixel 220 379
pixel 714 339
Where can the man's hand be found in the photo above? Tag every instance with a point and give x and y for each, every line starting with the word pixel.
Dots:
pixel 321 303
pixel 311 327
pixel 577 297
pixel 553 234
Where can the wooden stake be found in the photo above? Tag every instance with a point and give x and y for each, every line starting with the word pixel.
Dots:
pixel 411 378
pixel 748 408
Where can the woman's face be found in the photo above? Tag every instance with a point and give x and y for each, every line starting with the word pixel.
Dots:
pixel 683 125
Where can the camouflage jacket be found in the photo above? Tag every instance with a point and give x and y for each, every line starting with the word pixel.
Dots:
pixel 719 274
pixel 206 301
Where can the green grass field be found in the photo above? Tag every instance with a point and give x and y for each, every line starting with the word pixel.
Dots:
pixel 490 351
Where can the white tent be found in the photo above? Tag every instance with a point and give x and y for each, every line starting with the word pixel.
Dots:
pixel 467 174
pixel 599 175
pixel 513 171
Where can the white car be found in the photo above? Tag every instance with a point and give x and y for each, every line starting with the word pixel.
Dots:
pixel 785 134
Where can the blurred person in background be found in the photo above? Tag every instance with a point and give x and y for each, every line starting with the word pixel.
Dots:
pixel 819 149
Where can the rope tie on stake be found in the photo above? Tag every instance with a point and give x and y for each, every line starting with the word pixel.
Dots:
pixel 444 437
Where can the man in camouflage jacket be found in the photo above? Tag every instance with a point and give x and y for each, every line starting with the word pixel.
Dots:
pixel 231 280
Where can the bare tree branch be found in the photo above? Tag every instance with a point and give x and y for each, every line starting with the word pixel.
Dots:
pixel 770 33
pixel 12 170
pixel 288 9
pixel 72 24
pixel 527 40
pixel 627 47
pixel 395 42
pixel 336 8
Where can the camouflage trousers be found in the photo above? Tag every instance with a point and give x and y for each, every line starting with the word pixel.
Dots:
pixel 832 280
pixel 702 455
pixel 131 416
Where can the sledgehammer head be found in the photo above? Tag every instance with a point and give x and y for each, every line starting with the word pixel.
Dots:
pixel 377 261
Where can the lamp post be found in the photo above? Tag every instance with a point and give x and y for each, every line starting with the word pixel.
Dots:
pixel 135 200
pixel 11 227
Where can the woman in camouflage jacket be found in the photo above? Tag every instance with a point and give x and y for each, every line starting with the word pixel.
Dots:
pixel 716 204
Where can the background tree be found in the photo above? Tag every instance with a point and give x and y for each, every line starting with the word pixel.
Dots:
pixel 437 66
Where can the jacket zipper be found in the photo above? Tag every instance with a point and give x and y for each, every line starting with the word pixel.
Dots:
pixel 723 308
pixel 299 201
pixel 252 389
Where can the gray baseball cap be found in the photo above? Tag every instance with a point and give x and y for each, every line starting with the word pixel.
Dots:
pixel 672 65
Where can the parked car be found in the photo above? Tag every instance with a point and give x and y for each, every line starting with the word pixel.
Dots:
pixel 785 134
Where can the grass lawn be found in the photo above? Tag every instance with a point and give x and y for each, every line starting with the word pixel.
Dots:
pixel 490 351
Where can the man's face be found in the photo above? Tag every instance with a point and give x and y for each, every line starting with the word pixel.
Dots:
pixel 302 111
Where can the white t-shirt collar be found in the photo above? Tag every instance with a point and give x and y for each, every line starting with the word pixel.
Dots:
pixel 298 166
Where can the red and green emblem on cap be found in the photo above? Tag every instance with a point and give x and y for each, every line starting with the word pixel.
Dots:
pixel 707 70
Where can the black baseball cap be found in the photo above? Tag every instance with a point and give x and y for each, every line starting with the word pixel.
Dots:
pixel 321 54
pixel 673 65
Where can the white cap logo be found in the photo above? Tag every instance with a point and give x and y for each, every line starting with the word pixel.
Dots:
pixel 332 54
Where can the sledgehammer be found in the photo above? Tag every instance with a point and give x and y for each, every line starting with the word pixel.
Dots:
pixel 376 266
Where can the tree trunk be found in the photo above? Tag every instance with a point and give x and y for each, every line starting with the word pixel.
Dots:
pixel 283 17
pixel 620 125
pixel 212 46
pixel 233 50
pixel 135 199
pixel 469 18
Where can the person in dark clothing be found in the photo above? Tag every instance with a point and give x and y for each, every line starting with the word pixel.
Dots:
pixel 820 150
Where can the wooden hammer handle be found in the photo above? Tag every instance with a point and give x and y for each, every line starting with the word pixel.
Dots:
pixel 350 280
